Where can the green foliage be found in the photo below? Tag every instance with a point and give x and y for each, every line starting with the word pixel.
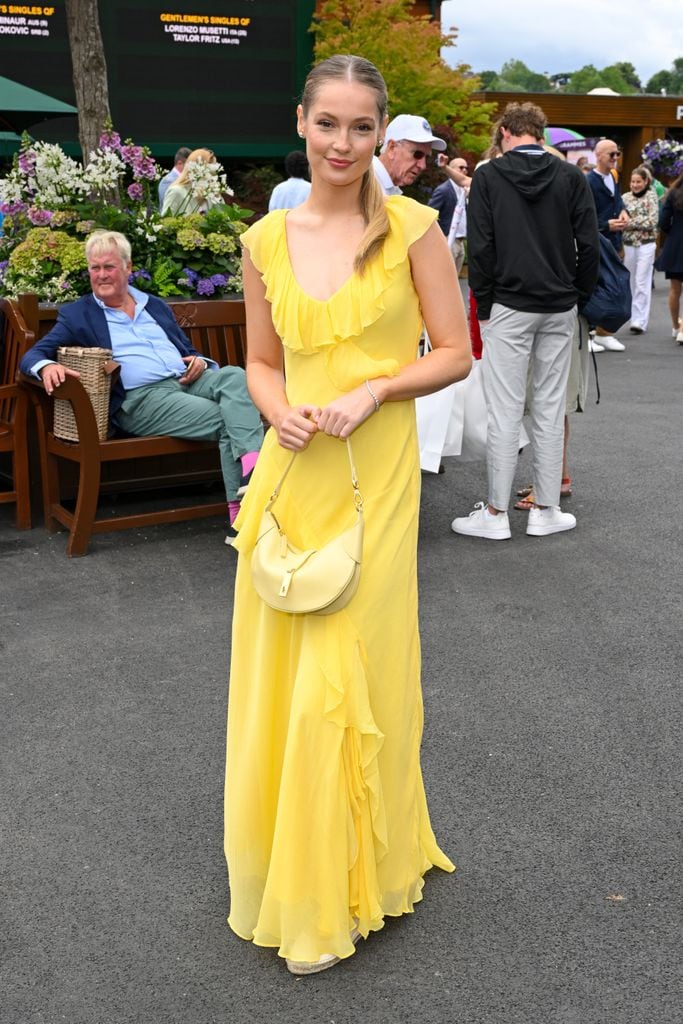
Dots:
pixel 254 185
pixel 407 51
pixel 48 262
pixel 588 78
pixel 487 79
pixel 515 76
pixel 51 206
pixel 671 81
pixel 629 74
pixel 165 279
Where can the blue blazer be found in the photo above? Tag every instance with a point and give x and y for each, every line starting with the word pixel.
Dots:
pixel 444 199
pixel 607 207
pixel 83 323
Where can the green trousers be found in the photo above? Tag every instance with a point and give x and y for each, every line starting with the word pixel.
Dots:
pixel 215 407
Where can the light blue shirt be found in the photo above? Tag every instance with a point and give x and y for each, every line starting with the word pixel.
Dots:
pixel 140 345
pixel 289 194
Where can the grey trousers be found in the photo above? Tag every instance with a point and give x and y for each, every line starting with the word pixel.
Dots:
pixel 511 340
pixel 216 406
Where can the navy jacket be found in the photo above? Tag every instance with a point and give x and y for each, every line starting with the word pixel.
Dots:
pixel 607 207
pixel 670 258
pixel 83 323
pixel 444 199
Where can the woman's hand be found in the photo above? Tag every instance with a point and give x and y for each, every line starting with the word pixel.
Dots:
pixel 341 417
pixel 296 426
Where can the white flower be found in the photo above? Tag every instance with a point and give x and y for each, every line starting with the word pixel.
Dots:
pixel 10 190
pixel 207 182
pixel 57 179
pixel 104 170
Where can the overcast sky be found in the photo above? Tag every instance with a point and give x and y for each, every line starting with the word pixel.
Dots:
pixel 563 36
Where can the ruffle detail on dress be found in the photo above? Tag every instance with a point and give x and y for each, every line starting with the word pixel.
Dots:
pixel 305 324
pixel 347 704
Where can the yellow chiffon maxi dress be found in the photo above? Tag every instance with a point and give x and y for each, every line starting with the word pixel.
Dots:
pixel 327 825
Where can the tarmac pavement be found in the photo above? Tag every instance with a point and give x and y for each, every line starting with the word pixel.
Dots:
pixel 551 759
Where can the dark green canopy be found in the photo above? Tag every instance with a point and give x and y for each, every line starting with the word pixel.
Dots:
pixel 21 107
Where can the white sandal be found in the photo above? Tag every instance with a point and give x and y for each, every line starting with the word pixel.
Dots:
pixel 326 961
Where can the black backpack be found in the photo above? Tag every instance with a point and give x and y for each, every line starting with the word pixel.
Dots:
pixel 609 305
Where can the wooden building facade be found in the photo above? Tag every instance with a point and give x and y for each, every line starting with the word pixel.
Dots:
pixel 632 121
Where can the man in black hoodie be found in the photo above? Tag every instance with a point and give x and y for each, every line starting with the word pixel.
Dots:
pixel 533 255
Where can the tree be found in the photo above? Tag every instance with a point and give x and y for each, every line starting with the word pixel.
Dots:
pixel 628 73
pixel 407 51
pixel 671 81
pixel 515 76
pixel 89 70
pixel 588 77
pixel 487 79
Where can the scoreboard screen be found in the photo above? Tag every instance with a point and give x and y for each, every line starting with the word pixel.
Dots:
pixel 219 73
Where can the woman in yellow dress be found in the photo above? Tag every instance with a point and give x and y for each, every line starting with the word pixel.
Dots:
pixel 327 827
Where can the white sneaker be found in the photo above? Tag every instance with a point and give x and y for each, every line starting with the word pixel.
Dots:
pixel 679 333
pixel 481 523
pixel 549 520
pixel 611 343
pixel 595 346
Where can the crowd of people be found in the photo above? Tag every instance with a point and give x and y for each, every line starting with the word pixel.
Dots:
pixel 327 826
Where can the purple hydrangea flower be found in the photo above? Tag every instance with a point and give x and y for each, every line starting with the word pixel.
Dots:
pixel 219 280
pixel 39 217
pixel 205 287
pixel 11 209
pixel 139 275
pixel 191 275
pixel 136 191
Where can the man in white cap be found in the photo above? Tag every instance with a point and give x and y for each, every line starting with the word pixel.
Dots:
pixel 408 144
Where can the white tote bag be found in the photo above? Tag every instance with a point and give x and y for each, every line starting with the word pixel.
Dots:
pixel 453 422
pixel 434 421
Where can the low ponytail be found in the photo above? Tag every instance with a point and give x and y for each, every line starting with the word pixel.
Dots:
pixel 375 216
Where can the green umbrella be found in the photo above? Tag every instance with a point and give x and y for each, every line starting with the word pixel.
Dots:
pixel 21 107
pixel 10 143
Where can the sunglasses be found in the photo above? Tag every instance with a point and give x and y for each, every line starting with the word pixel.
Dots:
pixel 417 154
pixel 616 152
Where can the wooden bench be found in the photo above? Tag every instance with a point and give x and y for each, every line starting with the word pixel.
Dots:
pixel 216 329
pixel 15 339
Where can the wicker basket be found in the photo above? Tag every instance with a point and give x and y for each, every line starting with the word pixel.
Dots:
pixel 90 363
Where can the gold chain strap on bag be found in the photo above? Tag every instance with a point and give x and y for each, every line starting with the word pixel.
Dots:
pixel 318 581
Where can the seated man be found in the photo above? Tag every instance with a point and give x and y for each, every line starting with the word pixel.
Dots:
pixel 165 385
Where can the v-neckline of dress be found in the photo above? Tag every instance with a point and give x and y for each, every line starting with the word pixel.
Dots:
pixel 311 298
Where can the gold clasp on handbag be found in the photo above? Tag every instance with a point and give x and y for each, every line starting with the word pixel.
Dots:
pixel 286 580
pixel 316 581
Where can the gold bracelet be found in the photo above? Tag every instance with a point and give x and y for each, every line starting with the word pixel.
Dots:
pixel 373 396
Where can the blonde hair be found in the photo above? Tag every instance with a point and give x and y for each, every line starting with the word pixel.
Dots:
pixel 101 240
pixel 357 69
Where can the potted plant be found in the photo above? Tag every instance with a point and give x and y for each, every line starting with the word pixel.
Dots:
pixel 51 204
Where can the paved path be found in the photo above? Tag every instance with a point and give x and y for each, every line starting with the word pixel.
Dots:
pixel 551 758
